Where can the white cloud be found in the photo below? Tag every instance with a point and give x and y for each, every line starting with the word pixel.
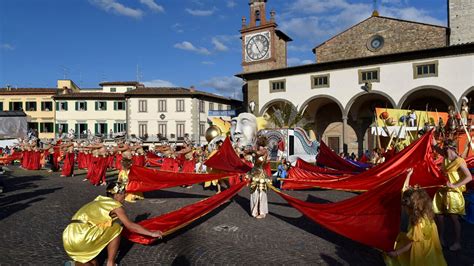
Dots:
pixel 7 46
pixel 293 61
pixel 113 6
pixel 226 86
pixel 208 63
pixel 410 13
pixel 177 27
pixel 152 5
pixel 201 12
pixel 218 45
pixel 158 83
pixel 187 46
pixel 231 4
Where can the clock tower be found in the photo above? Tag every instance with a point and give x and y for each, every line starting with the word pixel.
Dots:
pixel 264 47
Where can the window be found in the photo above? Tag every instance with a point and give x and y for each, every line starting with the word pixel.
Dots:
pixel 120 127
pixel 129 89
pixel 47 106
pixel 278 86
pixel 162 131
pixel 228 107
pixel 202 129
pixel 31 106
pixel 321 81
pixel 61 127
pixel 113 89
pixel 369 75
pixel 16 106
pixel 180 130
pixel 47 127
pixel 33 125
pixel 101 106
pixel 425 70
pixel 142 106
pixel 81 106
pixel 61 106
pixel 82 130
pixel 211 106
pixel 162 106
pixel 179 105
pixel 101 128
pixel 142 130
pixel 219 107
pixel 119 106
pixel 1 106
pixel 201 106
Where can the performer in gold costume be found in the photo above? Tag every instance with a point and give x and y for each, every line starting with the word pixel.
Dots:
pixel 123 178
pixel 92 228
pixel 259 180
pixel 420 245
pixel 449 200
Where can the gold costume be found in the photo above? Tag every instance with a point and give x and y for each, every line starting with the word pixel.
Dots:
pixel 450 200
pixel 129 196
pixel 425 250
pixel 91 229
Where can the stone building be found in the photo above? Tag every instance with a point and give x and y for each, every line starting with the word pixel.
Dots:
pixel 380 62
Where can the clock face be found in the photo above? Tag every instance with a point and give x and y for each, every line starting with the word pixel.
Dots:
pixel 257 47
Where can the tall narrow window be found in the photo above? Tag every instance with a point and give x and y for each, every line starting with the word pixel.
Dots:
pixel 142 129
pixel 180 130
pixel 162 131
pixel 162 106
pixel 142 106
pixel 202 129
pixel 179 105
pixel 201 106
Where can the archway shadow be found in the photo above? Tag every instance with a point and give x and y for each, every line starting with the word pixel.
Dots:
pixel 11 204
pixel 11 183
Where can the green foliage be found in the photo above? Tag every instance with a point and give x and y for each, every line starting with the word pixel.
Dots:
pixel 285 115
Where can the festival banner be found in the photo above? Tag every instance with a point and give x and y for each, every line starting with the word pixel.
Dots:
pixel 173 221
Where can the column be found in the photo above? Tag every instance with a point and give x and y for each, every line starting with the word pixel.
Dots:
pixel 344 134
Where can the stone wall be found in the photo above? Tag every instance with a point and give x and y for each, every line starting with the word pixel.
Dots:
pixel 398 35
pixel 461 21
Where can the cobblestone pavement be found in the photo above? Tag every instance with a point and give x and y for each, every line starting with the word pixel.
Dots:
pixel 35 207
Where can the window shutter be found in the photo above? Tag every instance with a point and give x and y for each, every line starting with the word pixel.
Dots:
pixel 105 106
pixel 57 128
pixel 65 106
pixel 76 132
pixel 77 106
pixel 10 106
pixel 85 106
pixel 96 128
pixel 115 106
pixel 96 106
pixel 115 127
pixel 106 129
pixel 57 106
pixel 41 127
pixel 65 127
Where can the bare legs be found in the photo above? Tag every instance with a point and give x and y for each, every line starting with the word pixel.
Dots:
pixel 112 250
pixel 457 231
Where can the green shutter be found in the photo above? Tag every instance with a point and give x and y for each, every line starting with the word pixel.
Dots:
pixel 10 106
pixel 77 106
pixel 56 129
pixel 65 126
pixel 96 106
pixel 85 106
pixel 65 106
pixel 115 106
pixel 96 128
pixel 105 106
pixel 106 129
pixel 57 106
pixel 41 127
pixel 115 127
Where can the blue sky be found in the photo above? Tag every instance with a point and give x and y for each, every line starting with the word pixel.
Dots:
pixel 173 42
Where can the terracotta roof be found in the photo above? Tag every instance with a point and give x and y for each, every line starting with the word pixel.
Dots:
pixel 90 96
pixel 27 91
pixel 172 91
pixel 119 83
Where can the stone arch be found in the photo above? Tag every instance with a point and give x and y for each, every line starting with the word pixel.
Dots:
pixel 361 94
pixel 469 93
pixel 265 108
pixel 437 97
pixel 360 115
pixel 324 113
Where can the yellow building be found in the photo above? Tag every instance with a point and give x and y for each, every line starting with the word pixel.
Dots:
pixel 37 103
